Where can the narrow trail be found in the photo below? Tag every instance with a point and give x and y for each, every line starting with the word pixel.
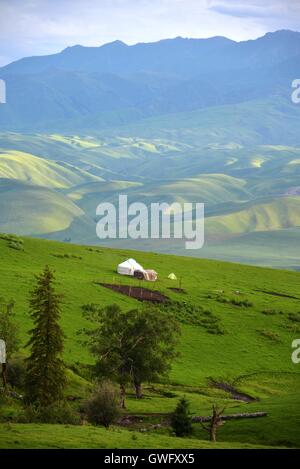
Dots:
pixel 235 394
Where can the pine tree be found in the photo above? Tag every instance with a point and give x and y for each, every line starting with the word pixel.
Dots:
pixel 45 372
pixel 181 420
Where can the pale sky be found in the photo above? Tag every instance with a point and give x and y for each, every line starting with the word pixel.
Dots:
pixel 40 27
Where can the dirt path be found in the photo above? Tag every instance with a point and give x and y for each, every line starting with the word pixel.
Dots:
pixel 235 394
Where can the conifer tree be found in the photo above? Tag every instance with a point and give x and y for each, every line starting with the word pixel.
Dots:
pixel 45 371
pixel 181 420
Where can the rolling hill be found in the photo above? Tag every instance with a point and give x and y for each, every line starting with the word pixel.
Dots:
pixel 36 210
pixel 246 189
pixel 24 167
pixel 272 215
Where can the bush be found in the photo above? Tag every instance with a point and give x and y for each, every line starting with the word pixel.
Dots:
pixel 270 312
pixel 67 256
pixel 60 412
pixel 188 313
pixel 13 241
pixel 181 420
pixel 103 406
pixel 16 245
pixel 11 237
pixel 273 336
pixel 234 301
pixel 294 317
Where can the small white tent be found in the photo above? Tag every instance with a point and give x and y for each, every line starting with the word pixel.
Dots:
pixel 172 276
pixel 128 267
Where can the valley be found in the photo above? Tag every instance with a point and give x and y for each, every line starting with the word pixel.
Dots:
pixel 250 192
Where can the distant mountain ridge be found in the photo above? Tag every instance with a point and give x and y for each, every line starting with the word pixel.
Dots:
pixel 120 58
pixel 145 80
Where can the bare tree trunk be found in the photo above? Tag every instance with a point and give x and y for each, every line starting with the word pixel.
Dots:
pixel 122 396
pixel 213 434
pixel 215 423
pixel 4 374
pixel 138 390
pixel 215 419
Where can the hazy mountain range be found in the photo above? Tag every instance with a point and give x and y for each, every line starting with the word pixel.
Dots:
pixel 116 82
pixel 204 120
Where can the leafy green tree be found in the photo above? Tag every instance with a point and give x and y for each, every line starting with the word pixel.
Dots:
pixel 9 328
pixel 131 346
pixel 152 356
pixel 45 371
pixel 181 420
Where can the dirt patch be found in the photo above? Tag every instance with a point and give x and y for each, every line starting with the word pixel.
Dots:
pixel 139 293
pixel 274 293
pixel 177 290
pixel 235 394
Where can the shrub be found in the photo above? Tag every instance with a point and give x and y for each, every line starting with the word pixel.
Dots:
pixel 67 256
pixel 103 406
pixel 188 313
pixel 235 301
pixel 269 312
pixel 13 241
pixel 11 237
pixel 273 336
pixel 294 317
pixel 16 245
pixel 181 420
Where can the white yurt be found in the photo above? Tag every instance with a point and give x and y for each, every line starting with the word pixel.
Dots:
pixel 128 267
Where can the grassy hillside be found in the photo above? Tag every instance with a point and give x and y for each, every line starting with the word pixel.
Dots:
pixel 28 209
pixel 25 167
pixel 251 348
pixel 268 215
pixel 59 436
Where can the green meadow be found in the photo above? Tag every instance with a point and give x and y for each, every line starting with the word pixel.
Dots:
pixel 247 344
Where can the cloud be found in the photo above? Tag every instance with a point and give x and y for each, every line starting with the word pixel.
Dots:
pixel 269 9
pixel 240 11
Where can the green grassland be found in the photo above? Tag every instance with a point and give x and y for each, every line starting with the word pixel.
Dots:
pixel 75 437
pixel 250 348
